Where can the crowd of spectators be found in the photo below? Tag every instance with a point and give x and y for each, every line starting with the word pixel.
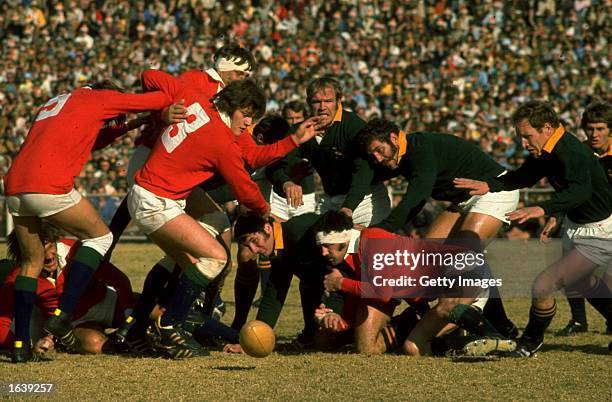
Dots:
pixel 451 66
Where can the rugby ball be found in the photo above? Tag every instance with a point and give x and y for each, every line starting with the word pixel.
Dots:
pixel 257 339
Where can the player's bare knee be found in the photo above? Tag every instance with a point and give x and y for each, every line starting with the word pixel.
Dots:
pixel 445 306
pixel 92 342
pixel 410 348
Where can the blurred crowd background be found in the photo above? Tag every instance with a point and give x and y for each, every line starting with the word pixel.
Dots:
pixel 453 66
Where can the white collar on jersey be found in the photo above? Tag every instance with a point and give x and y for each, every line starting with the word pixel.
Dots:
pixel 226 119
pixel 214 75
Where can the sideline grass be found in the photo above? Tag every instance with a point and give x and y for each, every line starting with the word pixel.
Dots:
pixel 576 368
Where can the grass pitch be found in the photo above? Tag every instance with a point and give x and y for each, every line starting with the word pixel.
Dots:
pixel 575 368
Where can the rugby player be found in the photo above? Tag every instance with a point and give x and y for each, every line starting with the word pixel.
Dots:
pixel 430 161
pixel 596 122
pixel 582 193
pixel 40 184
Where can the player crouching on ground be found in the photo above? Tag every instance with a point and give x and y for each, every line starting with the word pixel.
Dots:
pixel 106 299
pixel 367 310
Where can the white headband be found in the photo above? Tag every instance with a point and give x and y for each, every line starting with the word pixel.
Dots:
pixel 333 237
pixel 225 64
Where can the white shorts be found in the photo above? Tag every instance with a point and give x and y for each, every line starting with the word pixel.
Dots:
pixel 374 207
pixel 592 240
pixel 102 313
pixel 496 205
pixel 137 160
pixel 150 211
pixel 282 210
pixel 41 205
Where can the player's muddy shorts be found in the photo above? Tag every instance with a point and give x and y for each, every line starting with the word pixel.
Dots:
pixel 41 205
pixel 284 211
pixel 102 313
pixel 592 240
pixel 150 211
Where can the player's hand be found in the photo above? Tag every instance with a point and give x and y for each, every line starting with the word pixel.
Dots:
pixel 321 312
pixel 548 228
pixel 346 211
pixel 175 113
pixel 293 193
pixel 334 322
pixel 233 348
pixel 306 130
pixel 476 187
pixel 333 281
pixel 44 345
pixel 523 214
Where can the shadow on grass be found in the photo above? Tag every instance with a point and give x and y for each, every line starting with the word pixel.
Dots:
pixel 233 368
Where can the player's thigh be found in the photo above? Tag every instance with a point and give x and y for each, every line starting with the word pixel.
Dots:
pixel 27 229
pixel 199 203
pixel 443 225
pixel 370 318
pixel 478 225
pixel 564 272
pixel 82 220
pixel 184 235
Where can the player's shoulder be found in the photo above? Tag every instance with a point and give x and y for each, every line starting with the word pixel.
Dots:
pixel 377 233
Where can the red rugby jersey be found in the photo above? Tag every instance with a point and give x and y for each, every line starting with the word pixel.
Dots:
pixel 63 134
pixel 188 153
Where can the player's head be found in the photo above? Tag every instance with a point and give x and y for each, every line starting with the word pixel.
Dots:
pixel 233 63
pixel 256 233
pixel 380 139
pixel 270 129
pixel 107 85
pixel 535 122
pixel 244 101
pixel 295 112
pixel 333 234
pixel 596 122
pixel 49 235
pixel 324 95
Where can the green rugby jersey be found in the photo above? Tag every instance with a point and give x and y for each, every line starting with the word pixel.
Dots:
pixel 581 186
pixel 430 161
pixel 336 158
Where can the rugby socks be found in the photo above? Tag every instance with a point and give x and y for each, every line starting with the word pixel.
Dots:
pixel 117 225
pixel 473 321
pixel 599 297
pixel 577 307
pixel 24 296
pixel 154 283
pixel 190 284
pixel 494 310
pixel 539 320
pixel 212 328
pixel 397 330
pixel 245 287
pixel 80 271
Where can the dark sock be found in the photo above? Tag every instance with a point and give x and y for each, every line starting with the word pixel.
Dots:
pixel 165 295
pixel 494 310
pixel 80 270
pixel 397 330
pixel 578 309
pixel 539 320
pixel 599 298
pixel 118 224
pixel 245 287
pixel 154 283
pixel 24 296
pixel 473 321
pixel 310 296
pixel 190 284
pixel 214 329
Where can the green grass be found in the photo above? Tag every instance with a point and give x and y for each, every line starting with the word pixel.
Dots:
pixel 576 368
